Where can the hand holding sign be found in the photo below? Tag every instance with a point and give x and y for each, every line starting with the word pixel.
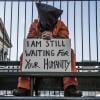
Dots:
pixel 46 35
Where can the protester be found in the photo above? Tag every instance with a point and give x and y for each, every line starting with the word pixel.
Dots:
pixel 49 26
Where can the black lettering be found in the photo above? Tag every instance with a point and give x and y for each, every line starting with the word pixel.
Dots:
pixel 47 43
pixel 55 43
pixel 52 43
pixel 27 43
pixel 56 64
pixel 47 52
pixel 39 52
pixel 36 43
pixel 66 53
pixel 63 44
pixel 28 64
pixel 59 44
pixel 27 53
pixel 62 53
pixel 66 65
pixel 31 65
pixel 35 65
pixel 46 63
pixel 52 53
pixel 30 53
pixel 59 52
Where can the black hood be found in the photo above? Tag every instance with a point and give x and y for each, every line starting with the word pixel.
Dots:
pixel 48 16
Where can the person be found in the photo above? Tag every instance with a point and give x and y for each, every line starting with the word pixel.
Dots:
pixel 49 26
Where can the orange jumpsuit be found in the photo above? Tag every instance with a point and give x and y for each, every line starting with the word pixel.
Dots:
pixel 59 31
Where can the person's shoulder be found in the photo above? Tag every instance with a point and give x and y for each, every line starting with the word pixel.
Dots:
pixel 36 20
pixel 60 22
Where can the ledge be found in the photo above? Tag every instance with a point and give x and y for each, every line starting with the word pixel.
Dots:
pixel 49 98
pixel 50 74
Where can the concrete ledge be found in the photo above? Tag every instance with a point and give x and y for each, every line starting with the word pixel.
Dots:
pixel 49 98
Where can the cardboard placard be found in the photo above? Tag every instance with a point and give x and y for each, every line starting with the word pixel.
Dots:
pixel 47 55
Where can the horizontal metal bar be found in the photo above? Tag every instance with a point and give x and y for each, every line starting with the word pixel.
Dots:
pixel 17 63
pixel 3 68
pixel 50 74
pixel 47 0
pixel 9 63
pixel 98 69
pixel 49 98
pixel 88 63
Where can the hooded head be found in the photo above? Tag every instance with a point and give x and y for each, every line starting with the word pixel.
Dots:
pixel 48 16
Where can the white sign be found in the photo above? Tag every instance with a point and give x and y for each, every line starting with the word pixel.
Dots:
pixel 47 55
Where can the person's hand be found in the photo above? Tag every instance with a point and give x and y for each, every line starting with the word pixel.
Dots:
pixel 46 35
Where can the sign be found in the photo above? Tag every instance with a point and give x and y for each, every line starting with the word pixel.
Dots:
pixel 47 55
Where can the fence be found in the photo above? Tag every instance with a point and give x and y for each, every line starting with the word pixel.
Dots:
pixel 81 17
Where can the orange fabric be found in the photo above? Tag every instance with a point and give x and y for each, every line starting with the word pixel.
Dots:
pixel 33 31
pixel 67 81
pixel 60 31
pixel 24 82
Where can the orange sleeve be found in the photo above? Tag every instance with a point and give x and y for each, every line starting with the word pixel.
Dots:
pixel 33 30
pixel 61 30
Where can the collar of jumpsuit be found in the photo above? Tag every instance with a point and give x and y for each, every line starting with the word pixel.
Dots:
pixel 48 16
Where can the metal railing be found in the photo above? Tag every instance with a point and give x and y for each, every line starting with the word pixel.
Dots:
pixel 82 19
pixel 9 71
pixel 13 65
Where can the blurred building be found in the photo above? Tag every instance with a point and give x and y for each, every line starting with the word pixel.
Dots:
pixel 5 42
